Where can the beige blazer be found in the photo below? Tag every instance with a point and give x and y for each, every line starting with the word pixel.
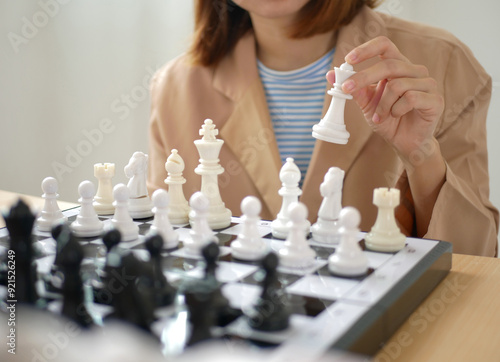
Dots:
pixel 231 94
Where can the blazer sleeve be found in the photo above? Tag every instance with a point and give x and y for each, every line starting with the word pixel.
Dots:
pixel 463 213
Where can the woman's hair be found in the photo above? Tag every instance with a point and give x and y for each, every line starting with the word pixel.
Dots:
pixel 219 24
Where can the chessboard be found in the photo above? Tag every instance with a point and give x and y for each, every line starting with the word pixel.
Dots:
pixel 355 314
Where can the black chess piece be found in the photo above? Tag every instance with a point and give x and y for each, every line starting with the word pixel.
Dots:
pixel 100 285
pixel 224 312
pixel 19 222
pixel 70 258
pixel 130 282
pixel 271 311
pixel 54 280
pixel 111 238
pixel 164 293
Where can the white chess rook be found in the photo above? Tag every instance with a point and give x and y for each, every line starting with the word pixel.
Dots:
pixel 178 211
pixel 209 169
pixel 87 224
pixel 327 228
pixel 51 214
pixel 249 245
pixel 296 252
pixel 121 219
pixel 290 192
pixel 385 235
pixel 332 128
pixel 140 205
pixel 161 223
pixel 200 234
pixel 103 200
pixel 348 258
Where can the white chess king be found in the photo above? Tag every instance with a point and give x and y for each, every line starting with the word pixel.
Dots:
pixel 385 235
pixel 332 127
pixel 209 169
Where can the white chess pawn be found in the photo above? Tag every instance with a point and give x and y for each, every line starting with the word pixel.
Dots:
pixel 161 222
pixel 140 205
pixel 178 211
pixel 200 233
pixel 249 245
pixel 121 219
pixel 326 228
pixel 51 214
pixel 103 200
pixel 385 235
pixel 87 223
pixel 209 169
pixel 296 252
pixel 332 128
pixel 290 192
pixel 348 258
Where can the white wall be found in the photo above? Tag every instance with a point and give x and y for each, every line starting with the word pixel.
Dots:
pixel 70 70
pixel 477 24
pixel 73 70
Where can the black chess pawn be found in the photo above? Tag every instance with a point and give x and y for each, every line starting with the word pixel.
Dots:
pixel 101 285
pixel 131 282
pixel 70 258
pixel 164 293
pixel 19 222
pixel 225 313
pixel 53 281
pixel 271 311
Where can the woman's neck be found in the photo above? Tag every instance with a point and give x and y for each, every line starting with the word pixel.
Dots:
pixel 279 52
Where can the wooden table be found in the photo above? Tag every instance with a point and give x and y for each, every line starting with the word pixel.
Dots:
pixel 459 320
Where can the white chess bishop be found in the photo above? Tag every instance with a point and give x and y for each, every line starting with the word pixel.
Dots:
pixel 290 192
pixel 103 200
pixel 249 245
pixel 385 235
pixel 326 229
pixel 140 205
pixel 332 128
pixel 296 252
pixel 209 169
pixel 348 258
pixel 161 223
pixel 51 214
pixel 178 211
pixel 87 224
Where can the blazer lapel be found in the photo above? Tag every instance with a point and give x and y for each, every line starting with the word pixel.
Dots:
pixel 248 131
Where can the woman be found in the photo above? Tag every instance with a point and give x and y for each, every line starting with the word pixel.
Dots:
pixel 417 120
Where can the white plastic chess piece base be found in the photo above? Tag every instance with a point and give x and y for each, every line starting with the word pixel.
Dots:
pixel 87 227
pixel 387 242
pixel 335 133
pixel 326 231
pixel 140 208
pixel 103 208
pixel 345 266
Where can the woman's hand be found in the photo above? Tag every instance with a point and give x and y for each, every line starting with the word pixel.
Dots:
pixel 399 99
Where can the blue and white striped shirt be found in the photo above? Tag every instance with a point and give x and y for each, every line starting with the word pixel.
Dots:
pixel 295 101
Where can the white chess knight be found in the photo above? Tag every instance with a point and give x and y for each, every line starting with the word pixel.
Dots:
pixel 290 192
pixel 87 223
pixel 103 200
pixel 296 252
pixel 249 244
pixel 51 214
pixel 348 258
pixel 332 128
pixel 326 228
pixel 200 233
pixel 178 211
pixel 161 223
pixel 209 169
pixel 385 235
pixel 121 219
pixel 140 205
